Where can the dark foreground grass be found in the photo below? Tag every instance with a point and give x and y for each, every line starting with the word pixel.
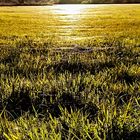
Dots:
pixel 94 95
pixel 56 90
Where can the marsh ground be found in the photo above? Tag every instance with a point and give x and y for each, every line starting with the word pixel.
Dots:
pixel 70 72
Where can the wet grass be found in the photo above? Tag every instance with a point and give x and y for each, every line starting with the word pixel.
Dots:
pixel 53 88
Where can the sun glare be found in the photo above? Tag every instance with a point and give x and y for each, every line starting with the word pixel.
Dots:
pixel 69 12
pixel 70 9
pixel 70 15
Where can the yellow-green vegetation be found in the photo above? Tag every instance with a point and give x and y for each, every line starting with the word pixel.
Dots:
pixel 70 77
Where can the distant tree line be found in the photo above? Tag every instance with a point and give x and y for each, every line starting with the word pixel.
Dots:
pixel 28 2
pixel 20 2
pixel 99 1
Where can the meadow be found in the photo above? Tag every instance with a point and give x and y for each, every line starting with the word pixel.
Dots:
pixel 70 76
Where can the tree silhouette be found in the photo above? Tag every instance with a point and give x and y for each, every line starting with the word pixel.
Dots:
pixel 68 1
pixel 21 1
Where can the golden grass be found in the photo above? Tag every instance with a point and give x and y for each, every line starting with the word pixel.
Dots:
pixel 66 79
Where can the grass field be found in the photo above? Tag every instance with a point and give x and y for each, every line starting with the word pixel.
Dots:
pixel 70 76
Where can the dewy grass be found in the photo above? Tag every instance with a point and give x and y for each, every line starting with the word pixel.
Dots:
pixel 83 87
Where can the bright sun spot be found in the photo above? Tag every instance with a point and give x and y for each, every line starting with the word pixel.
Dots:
pixel 70 15
pixel 70 12
pixel 70 9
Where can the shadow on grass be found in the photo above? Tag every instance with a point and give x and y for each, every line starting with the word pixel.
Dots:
pixel 51 105
pixel 123 98
pixel 81 67
pixel 17 103
pixel 12 56
pixel 124 76
pixel 2 137
pixel 118 133
pixel 20 102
